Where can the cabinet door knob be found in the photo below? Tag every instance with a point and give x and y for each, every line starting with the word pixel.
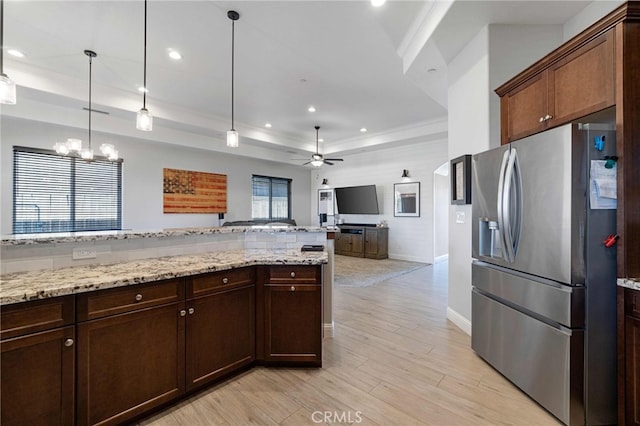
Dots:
pixel 68 342
pixel 541 119
pixel 183 312
pixel 191 311
pixel 292 288
pixel 225 280
pixel 548 117
pixel 138 297
pixel 293 275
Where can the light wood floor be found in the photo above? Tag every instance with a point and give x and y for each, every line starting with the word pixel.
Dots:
pixel 394 360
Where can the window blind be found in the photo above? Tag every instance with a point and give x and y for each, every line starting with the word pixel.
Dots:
pixel 271 199
pixel 64 194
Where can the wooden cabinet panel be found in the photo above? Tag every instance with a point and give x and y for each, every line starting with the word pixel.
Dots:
pixel 376 243
pixel 632 380
pixel 38 378
pixel 130 363
pixel 212 282
pixel 100 304
pixel 526 107
pixel 294 274
pixel 220 334
pixel 293 324
pixel 23 318
pixel 567 87
pixel 583 82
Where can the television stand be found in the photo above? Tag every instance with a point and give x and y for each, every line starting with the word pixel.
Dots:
pixel 362 240
pixel 373 225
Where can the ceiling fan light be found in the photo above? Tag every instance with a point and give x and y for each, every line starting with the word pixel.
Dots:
pixel 316 163
pixel 7 90
pixel 144 121
pixel 232 138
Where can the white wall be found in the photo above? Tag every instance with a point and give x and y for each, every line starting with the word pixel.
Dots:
pixel 142 176
pixel 590 14
pixel 410 238
pixel 497 53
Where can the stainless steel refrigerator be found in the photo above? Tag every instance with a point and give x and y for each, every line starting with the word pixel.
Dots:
pixel 543 281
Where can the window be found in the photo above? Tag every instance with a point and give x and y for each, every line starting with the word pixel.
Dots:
pixel 62 194
pixel 271 198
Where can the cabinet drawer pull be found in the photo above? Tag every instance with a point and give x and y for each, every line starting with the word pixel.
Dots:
pixel 68 342
pixel 225 280
pixel 293 275
pixel 292 288
pixel 138 297
pixel 191 311
pixel 183 312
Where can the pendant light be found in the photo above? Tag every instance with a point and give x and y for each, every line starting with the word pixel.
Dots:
pixel 73 146
pixel 7 86
pixel 144 120
pixel 232 135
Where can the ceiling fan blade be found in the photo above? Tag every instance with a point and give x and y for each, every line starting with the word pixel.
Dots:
pixel 327 162
pixel 334 159
pixel 308 162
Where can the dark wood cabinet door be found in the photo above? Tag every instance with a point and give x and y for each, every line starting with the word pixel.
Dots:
pixel 130 363
pixel 524 108
pixel 38 378
pixel 293 323
pixel 583 82
pixel 376 243
pixel 632 379
pixel 220 334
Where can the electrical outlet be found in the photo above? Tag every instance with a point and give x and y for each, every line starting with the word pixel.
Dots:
pixel 84 253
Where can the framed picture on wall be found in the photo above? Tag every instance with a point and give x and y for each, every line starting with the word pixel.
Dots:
pixel 406 198
pixel 461 180
pixel 326 203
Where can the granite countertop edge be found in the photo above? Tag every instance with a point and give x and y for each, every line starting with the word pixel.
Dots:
pixel 35 285
pixel 633 283
pixel 67 237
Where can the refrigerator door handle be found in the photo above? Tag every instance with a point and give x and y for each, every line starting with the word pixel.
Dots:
pixel 517 217
pixel 500 207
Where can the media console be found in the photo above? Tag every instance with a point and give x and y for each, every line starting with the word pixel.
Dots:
pixel 362 240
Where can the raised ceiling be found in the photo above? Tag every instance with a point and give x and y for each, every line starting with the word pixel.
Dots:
pixel 344 57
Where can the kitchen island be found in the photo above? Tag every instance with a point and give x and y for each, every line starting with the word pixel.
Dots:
pixel 110 342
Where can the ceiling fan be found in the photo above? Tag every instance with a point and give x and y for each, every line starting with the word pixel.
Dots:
pixel 317 159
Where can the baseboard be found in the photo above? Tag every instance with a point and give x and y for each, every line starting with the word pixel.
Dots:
pixel 327 330
pixel 408 258
pixel 461 322
pixel 442 258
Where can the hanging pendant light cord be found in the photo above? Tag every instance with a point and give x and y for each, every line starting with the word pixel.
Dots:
pixel 90 62
pixel 144 92
pixel 233 44
pixel 2 37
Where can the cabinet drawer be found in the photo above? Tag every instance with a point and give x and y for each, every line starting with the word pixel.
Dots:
pixel 40 315
pixel 293 274
pixel 632 302
pixel 103 303
pixel 214 281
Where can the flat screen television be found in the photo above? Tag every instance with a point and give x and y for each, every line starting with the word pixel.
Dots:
pixel 357 200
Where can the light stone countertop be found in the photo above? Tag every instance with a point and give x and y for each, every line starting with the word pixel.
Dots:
pixel 66 237
pixel 33 285
pixel 633 283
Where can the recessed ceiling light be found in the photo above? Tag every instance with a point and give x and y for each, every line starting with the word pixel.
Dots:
pixel 378 3
pixel 311 109
pixel 143 89
pixel 268 125
pixel 174 54
pixel 16 53
pixel 364 129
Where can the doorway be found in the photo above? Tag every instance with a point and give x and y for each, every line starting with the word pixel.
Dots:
pixel 441 213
